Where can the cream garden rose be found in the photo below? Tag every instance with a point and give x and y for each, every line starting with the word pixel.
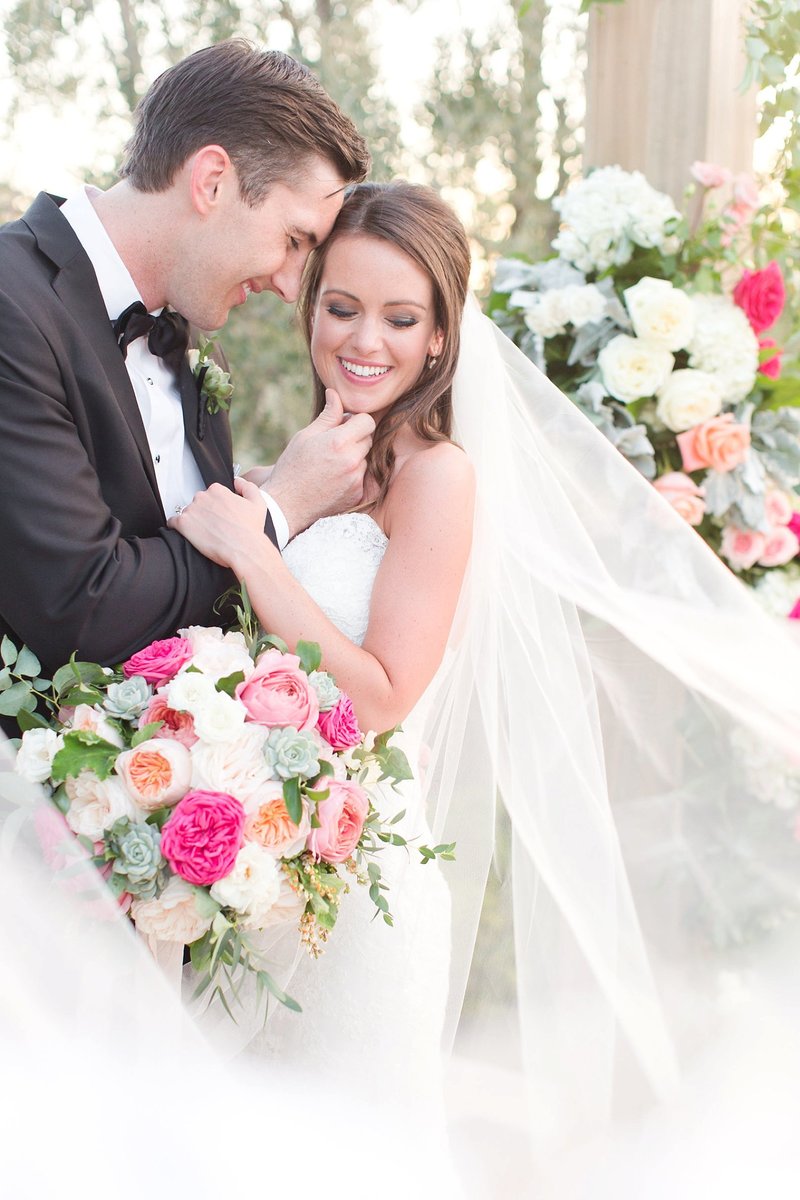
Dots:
pixel 237 767
pixel 252 887
pixel 172 916
pixel 687 398
pixel 632 369
pixel 218 654
pixel 95 804
pixel 38 748
pixel 662 315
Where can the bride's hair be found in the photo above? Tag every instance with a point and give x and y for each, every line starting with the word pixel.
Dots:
pixel 418 222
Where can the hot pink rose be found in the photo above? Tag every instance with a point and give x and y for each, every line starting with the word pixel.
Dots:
pixel 278 693
pixel 771 367
pixel 794 524
pixel 339 725
pixel 709 175
pixel 742 547
pixel 780 548
pixel 778 508
pixel 341 818
pixel 720 443
pixel 795 613
pixel 201 839
pixel 761 295
pixel 683 494
pixel 159 661
pixel 179 726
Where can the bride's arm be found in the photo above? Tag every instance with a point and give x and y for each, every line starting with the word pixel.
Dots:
pixel 428 518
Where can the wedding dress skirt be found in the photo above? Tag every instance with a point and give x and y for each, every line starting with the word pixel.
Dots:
pixel 374 1002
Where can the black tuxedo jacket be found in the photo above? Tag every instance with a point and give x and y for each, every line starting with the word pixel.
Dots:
pixel 86 562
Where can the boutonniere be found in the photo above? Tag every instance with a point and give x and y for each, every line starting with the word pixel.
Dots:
pixel 213 384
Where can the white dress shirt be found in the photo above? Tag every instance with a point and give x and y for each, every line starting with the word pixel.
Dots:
pixel 154 384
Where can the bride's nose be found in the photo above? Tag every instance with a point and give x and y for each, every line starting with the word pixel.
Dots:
pixel 367 336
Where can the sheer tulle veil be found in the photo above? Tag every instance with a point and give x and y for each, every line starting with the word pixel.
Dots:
pixel 618 699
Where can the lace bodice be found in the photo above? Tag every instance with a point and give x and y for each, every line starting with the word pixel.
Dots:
pixel 336 559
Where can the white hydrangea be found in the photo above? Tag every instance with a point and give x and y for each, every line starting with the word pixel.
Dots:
pixel 574 305
pixel 606 214
pixel 724 345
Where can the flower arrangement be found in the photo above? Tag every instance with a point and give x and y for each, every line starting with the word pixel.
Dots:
pixel 220 783
pixel 651 326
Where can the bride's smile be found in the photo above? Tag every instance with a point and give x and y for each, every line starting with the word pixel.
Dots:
pixel 374 323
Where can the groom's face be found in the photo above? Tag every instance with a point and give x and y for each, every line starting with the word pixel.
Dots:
pixel 244 249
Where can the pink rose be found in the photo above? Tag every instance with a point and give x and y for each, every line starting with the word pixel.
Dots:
pixel 159 661
pixel 778 508
pixel 683 494
pixel 794 523
pixel 742 547
pixel 720 443
pixel 339 725
pixel 771 367
pixel 745 192
pixel 709 175
pixel 794 615
pixel 780 548
pixel 761 296
pixel 203 835
pixel 341 817
pixel 278 693
pixel 179 726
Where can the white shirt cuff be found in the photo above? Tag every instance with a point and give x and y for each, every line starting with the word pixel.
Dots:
pixel 278 519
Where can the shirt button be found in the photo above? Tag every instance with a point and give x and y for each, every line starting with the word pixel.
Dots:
pixel 158 458
pixel 149 380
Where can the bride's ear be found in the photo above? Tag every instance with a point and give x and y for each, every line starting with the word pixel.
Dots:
pixel 435 345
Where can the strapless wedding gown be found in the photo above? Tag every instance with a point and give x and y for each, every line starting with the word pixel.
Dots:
pixel 374 1002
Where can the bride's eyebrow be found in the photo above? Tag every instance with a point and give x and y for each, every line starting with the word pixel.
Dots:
pixel 389 303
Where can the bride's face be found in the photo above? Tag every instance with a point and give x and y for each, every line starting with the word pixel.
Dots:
pixel 373 323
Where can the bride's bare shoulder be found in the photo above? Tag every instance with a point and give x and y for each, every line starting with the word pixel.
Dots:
pixel 435 477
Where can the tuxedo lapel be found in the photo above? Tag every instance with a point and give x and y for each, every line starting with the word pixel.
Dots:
pixel 201 432
pixel 75 283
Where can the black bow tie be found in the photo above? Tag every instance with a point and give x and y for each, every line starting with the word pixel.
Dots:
pixel 167 334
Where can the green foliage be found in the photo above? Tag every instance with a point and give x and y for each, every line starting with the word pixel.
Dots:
pixel 772 37
pixel 83 751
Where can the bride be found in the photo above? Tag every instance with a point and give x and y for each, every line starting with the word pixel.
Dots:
pixel 548 630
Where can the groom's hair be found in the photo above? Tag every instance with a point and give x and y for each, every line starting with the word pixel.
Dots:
pixel 267 110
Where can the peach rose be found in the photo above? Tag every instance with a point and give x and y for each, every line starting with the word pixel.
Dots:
pixel 742 547
pixel 278 693
pixel 156 773
pixel 269 823
pixel 683 494
pixel 720 443
pixel 780 548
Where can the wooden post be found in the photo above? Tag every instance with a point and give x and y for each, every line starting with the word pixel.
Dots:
pixel 661 89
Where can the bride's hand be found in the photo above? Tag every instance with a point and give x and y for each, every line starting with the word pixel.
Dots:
pixel 226 527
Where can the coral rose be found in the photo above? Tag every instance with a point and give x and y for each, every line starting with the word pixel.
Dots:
pixel 683 494
pixel 203 835
pixel 155 773
pixel 720 443
pixel 178 726
pixel 268 823
pixel 742 547
pixel 278 693
pixel 339 726
pixel 341 817
pixel 761 295
pixel 159 661
pixel 780 548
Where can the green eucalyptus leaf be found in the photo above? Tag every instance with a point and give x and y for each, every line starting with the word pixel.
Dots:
pixel 272 639
pixel 31 720
pixel 291 798
pixel 145 733
pixel 27 664
pixel 73 673
pixel 81 695
pixel 16 698
pixel 229 683
pixel 266 980
pixel 8 652
pixel 310 656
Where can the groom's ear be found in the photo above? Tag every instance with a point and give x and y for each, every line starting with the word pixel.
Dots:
pixel 209 171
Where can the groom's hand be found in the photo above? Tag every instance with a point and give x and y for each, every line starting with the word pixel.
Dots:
pixel 321 471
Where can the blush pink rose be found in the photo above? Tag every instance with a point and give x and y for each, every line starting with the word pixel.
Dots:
pixel 778 508
pixel 745 192
pixel 339 725
pixel 720 443
pixel 203 835
pixel 761 295
pixel 278 693
pixel 780 548
pixel 159 661
pixel 709 175
pixel 771 367
pixel 742 547
pixel 683 494
pixel 179 726
pixel 341 817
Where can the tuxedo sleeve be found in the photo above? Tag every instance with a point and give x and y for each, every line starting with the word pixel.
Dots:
pixel 85 564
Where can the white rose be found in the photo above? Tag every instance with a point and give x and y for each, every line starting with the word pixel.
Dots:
pixel 189 692
pixel 584 304
pixel 724 345
pixel 252 887
pixel 661 314
pixel 156 773
pixel 288 908
pixel 688 398
pixel 95 804
pixel 548 317
pixel 219 719
pixel 216 654
pixel 172 916
pixel 38 748
pixel 632 369
pixel 237 768
pixel 95 720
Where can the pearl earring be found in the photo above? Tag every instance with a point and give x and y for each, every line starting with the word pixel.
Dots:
pixel 431 362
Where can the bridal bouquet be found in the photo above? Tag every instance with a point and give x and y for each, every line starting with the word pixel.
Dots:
pixel 220 783
pixel 654 330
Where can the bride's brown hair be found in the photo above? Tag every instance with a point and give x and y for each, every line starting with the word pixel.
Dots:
pixel 418 222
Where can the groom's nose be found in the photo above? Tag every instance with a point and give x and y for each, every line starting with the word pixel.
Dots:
pixel 286 281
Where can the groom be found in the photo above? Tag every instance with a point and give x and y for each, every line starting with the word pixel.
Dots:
pixel 235 171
